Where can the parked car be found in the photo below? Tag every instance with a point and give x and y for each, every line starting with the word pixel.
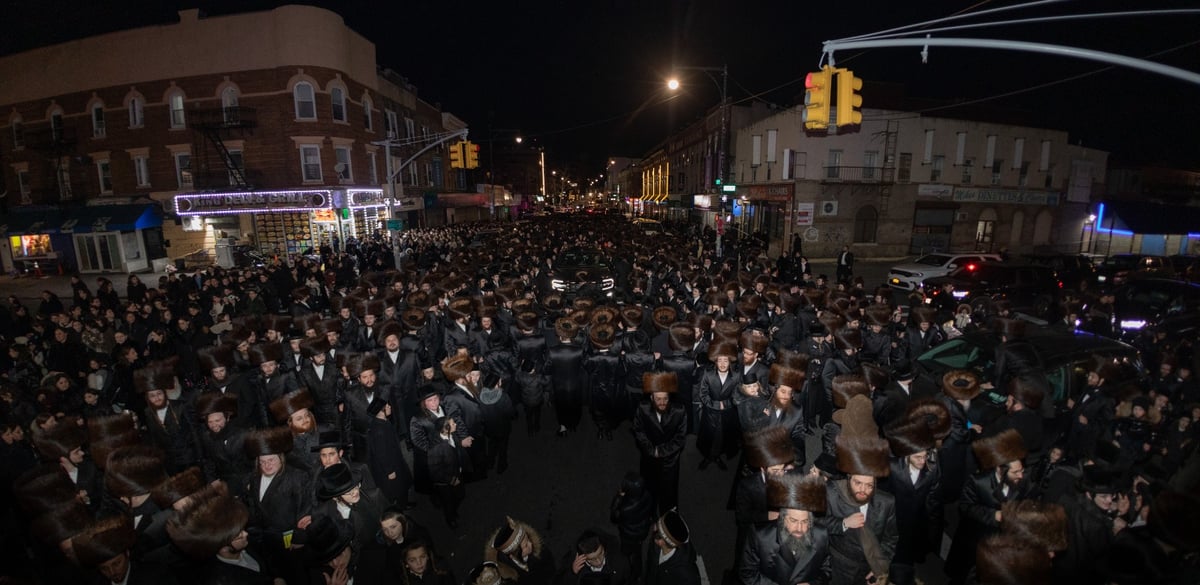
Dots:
pixel 1116 269
pixel 1145 305
pixel 1031 289
pixel 582 271
pixel 909 276
pixel 1072 269
pixel 650 227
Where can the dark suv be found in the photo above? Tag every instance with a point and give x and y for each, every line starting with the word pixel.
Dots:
pixel 582 271
pixel 1145 305
pixel 1030 288
pixel 1118 268
pixel 1072 269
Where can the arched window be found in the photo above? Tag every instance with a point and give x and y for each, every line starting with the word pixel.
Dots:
pixel 306 105
pixel 866 225
pixel 229 104
pixel 367 105
pixel 96 112
pixel 338 96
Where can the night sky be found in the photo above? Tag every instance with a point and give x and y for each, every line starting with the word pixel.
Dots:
pixel 585 78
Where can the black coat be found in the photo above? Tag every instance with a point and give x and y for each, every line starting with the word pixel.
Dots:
pixel 719 430
pixel 223 455
pixel 918 510
pixel 386 461
pixel 616 570
pixel 977 506
pixel 845 546
pixel 607 387
pixel 765 561
pixel 662 441
pixel 326 391
pixel 175 435
pixel 680 569
pixel 287 499
pixel 1090 534
pixel 250 408
pixel 683 364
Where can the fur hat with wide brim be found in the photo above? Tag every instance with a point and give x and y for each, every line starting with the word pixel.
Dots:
pixel 863 456
pixel 566 328
pixel 157 375
pixel 961 384
pixel 178 487
pixel 784 376
pixel 460 308
pixel 664 316
pixel 315 346
pixel 725 330
pixel 877 376
pixel 62 522
pixel 793 359
pixel 210 521
pixel 722 349
pixel 279 323
pixel 112 425
pixel 272 441
pixel 358 363
pixel 44 488
pixel 880 315
pixel 104 540
pixel 796 492
pixel 214 402
pixel 922 314
pixel 672 529
pixel 285 406
pixel 216 356
pixel 1038 523
pixel 996 450
pixel 102 448
pixel 654 382
pixel 847 386
pixel 261 353
pixel 1006 560
pixel 768 447
pixel 134 470
pixel 59 441
pixel 754 340
pixel 847 339
pixel 1030 391
pixel 930 412
pixel 681 337
pixel 857 419
pixel 605 314
pixel 907 438
pixel 414 318
pixel 602 336
pixel 457 366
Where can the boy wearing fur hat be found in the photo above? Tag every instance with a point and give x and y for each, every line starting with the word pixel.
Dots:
pixel 674 563
pixel 718 429
pixel 464 377
pixel 660 429
pixel 218 364
pixel 795 548
pixel 568 379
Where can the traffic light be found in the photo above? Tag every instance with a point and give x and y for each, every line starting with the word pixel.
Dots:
pixel 472 154
pixel 817 86
pixel 456 155
pixel 848 99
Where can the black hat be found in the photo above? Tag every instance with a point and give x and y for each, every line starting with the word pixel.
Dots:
pixel 672 529
pixel 426 391
pixel 328 439
pixel 325 540
pixel 1098 479
pixel 336 480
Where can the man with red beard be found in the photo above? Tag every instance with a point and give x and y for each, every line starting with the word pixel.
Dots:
pixel 295 409
pixel 862 520
pixel 660 429
pixel 222 438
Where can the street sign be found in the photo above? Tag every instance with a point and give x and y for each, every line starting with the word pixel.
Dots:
pixel 729 188
pixel 395 225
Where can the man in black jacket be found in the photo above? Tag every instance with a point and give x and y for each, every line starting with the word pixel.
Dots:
pixel 590 561
pixel 915 481
pixel 794 548
pixel 861 519
pixel 660 429
pixel 674 561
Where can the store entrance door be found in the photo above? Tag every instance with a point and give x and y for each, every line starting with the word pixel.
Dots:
pixel 99 252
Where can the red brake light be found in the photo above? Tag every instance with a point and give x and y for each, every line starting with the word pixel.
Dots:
pixel 971 267
pixel 1060 284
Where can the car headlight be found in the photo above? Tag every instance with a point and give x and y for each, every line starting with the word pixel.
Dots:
pixel 958 294
pixel 1101 278
pixel 607 284
pixel 557 284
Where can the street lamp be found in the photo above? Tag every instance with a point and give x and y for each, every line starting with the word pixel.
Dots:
pixel 1088 221
pixel 673 84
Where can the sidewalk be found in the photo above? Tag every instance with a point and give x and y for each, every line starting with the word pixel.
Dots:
pixel 29 288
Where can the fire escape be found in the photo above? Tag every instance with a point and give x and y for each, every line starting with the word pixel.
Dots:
pixel 60 182
pixel 213 165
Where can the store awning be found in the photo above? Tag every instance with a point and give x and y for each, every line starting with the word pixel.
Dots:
pixel 111 218
pixel 1149 218
pixel 23 220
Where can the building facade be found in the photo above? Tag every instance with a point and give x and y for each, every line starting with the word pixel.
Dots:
pixel 262 128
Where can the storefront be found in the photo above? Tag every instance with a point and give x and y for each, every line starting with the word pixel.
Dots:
pixel 764 212
pixel 99 238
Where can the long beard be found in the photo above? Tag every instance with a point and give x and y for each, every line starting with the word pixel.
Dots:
pixel 796 545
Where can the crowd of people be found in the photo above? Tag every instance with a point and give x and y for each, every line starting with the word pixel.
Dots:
pixel 279 424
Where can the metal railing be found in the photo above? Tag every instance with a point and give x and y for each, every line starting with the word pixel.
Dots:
pixel 841 174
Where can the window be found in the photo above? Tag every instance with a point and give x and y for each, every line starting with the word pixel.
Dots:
pixel 833 169
pixel 410 129
pixel 967 167
pixel 393 124
pixel 870 163
pixel 367 113
pixel 24 186
pixel 344 172
pixel 310 163
pixel 866 225
pixel 935 167
pixel 183 170
pixel 175 103
pixel 306 102
pixel 372 169
pixel 1023 178
pixel 235 178
pixel 904 170
pixel 56 126
pixel 928 158
pixel 338 97
pixel 756 150
pixel 772 139
pixel 98 121
pixel 64 178
pixel 104 173
pixel 18 134
pixel 141 169
pixel 1049 184
pixel 960 151
pixel 229 105
pixel 996 166
pixel 137 113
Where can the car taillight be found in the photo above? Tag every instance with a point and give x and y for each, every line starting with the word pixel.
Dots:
pixel 1060 284
pixel 970 267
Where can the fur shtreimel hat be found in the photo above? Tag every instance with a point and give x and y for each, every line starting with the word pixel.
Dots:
pixel 565 328
pixel 214 402
pixel 315 346
pixel 460 308
pixel 112 425
pixel 1041 524
pixel 857 419
pixel 768 447
pixel 932 413
pixel 44 488
pixel 863 456
pixel 210 521
pixel 880 315
pixel 285 406
pixel 681 337
pixel 1005 560
pixel 847 386
pixel 923 314
pixel 961 384
pixel 997 450
pixel 664 316
pixel 796 492
pixel 784 376
pixel 177 487
pixel 104 539
pixel 908 437
pixel 792 359
pixel 653 382
pixel 261 353
pixel 216 356
pixel 414 318
pixel 61 523
pixel 358 363
pixel 272 441
pixel 672 529
pixel 726 330
pixel 602 336
pixel 134 470
pixel 59 441
pixel 754 340
pixel 847 339
pixel 280 323
pixel 157 375
pixel 722 349
pixel 458 366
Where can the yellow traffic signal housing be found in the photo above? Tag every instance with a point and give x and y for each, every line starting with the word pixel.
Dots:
pixel 456 155
pixel 472 154
pixel 848 99
pixel 818 87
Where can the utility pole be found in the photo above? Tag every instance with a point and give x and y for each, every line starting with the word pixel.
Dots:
pixel 396 192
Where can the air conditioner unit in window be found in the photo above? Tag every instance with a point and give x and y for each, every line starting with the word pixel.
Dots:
pixel 960 216
pixel 829 208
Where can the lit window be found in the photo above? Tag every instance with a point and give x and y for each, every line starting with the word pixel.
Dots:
pixel 306 105
pixel 310 163
pixel 338 97
pixel 175 103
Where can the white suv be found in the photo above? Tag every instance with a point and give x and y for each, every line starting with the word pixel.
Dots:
pixel 909 276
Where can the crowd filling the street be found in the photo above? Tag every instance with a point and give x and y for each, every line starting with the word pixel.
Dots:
pixel 285 422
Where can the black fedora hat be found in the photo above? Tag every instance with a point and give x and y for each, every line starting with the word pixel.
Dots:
pixel 329 439
pixel 336 480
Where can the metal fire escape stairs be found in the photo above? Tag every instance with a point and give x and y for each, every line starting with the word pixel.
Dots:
pixel 213 166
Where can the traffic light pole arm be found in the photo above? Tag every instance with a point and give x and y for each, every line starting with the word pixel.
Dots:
pixel 436 140
pixel 1044 48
